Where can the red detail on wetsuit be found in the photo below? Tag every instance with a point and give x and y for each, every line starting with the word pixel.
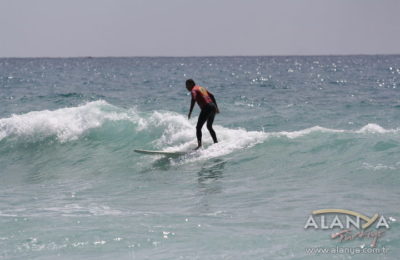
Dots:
pixel 201 95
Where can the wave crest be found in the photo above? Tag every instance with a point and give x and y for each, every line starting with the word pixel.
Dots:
pixel 65 123
pixel 163 130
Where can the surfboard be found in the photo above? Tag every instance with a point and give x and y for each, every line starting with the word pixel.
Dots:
pixel 167 153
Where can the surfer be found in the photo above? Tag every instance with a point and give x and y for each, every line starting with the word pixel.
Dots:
pixel 208 106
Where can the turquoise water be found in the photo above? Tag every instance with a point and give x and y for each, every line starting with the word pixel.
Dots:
pixel 296 134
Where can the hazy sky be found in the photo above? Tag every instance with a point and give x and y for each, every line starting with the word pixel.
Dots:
pixel 31 28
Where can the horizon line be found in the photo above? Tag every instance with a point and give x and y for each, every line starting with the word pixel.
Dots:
pixel 195 56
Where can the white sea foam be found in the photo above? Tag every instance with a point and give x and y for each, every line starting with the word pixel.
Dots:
pixel 377 167
pixel 179 134
pixel 375 129
pixel 65 123
pixel 367 129
pixel 296 134
pixel 75 209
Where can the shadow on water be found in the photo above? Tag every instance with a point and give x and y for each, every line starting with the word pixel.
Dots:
pixel 212 170
pixel 163 164
pixel 209 185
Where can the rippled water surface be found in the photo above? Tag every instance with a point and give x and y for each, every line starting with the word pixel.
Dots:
pixel 296 134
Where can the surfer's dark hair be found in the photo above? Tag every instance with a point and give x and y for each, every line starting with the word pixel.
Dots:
pixel 190 82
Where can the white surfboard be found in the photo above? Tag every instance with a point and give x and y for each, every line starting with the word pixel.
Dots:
pixel 167 153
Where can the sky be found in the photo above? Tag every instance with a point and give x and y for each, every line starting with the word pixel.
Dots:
pixel 75 28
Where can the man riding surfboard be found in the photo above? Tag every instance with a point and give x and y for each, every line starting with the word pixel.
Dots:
pixel 208 106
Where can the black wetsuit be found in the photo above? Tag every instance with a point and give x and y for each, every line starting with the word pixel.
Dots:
pixel 207 114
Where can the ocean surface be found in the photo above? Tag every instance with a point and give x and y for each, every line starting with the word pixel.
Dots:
pixel 297 134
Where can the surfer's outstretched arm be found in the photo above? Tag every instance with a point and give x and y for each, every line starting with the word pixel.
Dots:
pixel 191 107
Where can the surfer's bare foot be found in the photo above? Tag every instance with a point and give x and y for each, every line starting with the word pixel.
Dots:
pixel 197 147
